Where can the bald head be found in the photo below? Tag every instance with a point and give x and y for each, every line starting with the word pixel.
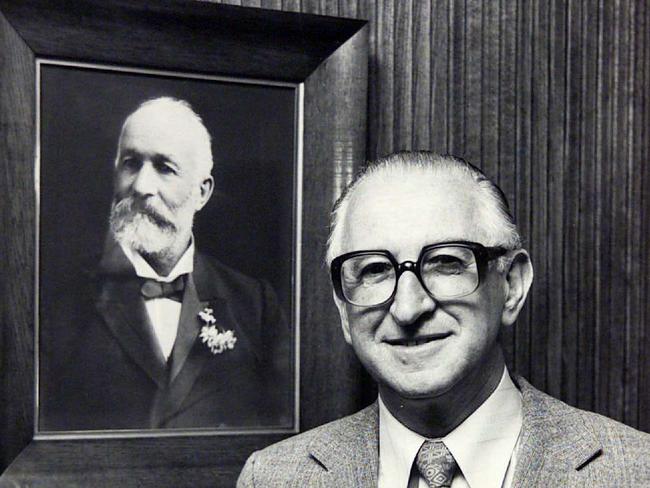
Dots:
pixel 173 120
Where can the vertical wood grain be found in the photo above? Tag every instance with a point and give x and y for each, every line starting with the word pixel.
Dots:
pixel 541 326
pixel 642 153
pixel 603 204
pixel 569 263
pixel 489 82
pixel 456 90
pixel 422 79
pixel 17 219
pixel 403 74
pixel 587 311
pixel 440 74
pixel 555 197
pixel 472 60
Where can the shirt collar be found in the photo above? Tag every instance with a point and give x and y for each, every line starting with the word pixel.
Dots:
pixel 482 444
pixel 143 269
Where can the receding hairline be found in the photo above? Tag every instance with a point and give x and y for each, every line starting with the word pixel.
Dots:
pixel 178 107
pixel 497 222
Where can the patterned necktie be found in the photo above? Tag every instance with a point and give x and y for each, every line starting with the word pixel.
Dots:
pixel 158 289
pixel 436 464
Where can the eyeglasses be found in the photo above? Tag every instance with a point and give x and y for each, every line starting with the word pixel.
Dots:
pixel 445 270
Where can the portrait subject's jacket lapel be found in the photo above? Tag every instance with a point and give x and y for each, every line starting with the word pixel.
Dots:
pixel 122 308
pixel 190 355
pixel 350 453
pixel 182 382
pixel 188 328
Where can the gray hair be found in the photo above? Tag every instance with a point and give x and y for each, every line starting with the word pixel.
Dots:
pixel 181 108
pixel 497 221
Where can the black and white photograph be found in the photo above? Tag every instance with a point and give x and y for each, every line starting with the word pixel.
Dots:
pixel 166 252
pixel 334 243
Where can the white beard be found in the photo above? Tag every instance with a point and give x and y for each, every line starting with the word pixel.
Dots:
pixel 149 229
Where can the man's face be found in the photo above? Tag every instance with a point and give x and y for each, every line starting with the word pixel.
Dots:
pixel 402 215
pixel 157 184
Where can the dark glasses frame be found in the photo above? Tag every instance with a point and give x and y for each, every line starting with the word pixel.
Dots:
pixel 482 254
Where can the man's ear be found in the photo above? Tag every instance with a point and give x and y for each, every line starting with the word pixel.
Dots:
pixel 519 277
pixel 345 324
pixel 206 187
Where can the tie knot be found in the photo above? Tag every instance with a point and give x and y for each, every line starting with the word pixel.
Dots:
pixel 158 289
pixel 436 464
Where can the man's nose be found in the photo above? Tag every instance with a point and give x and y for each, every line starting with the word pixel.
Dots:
pixel 144 182
pixel 411 300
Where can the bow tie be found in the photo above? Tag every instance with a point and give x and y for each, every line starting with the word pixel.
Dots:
pixel 158 289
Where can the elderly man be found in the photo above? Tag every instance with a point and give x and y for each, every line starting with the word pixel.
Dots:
pixel 162 335
pixel 427 268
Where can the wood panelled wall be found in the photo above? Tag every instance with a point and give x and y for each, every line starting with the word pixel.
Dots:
pixel 552 99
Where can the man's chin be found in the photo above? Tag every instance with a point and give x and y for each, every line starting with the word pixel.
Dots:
pixel 419 387
pixel 421 393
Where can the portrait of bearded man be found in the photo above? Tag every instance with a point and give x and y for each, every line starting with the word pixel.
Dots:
pixel 163 336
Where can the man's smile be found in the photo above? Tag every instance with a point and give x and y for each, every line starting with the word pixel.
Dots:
pixel 418 340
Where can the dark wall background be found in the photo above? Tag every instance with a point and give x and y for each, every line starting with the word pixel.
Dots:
pixel 552 99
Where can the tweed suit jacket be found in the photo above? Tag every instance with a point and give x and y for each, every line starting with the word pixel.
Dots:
pixel 102 368
pixel 560 446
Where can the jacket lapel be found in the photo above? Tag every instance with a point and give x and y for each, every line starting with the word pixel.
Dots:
pixel 554 443
pixel 554 440
pixel 190 355
pixel 188 327
pixel 121 306
pixel 350 453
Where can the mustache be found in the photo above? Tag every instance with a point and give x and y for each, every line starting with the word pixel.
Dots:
pixel 131 206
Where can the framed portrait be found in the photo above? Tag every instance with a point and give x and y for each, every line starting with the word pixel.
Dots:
pixel 245 246
pixel 281 97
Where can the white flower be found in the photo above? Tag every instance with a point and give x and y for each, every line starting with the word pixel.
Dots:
pixel 206 316
pixel 218 341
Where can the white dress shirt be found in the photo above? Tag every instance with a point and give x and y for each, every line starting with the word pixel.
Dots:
pixel 484 444
pixel 164 313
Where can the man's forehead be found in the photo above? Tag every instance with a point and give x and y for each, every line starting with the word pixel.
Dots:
pixel 161 121
pixel 157 130
pixel 409 210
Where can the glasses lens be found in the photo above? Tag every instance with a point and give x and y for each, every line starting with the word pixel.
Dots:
pixel 449 271
pixel 368 279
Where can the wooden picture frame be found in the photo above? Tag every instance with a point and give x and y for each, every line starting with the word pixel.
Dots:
pixel 326 57
pixel 249 225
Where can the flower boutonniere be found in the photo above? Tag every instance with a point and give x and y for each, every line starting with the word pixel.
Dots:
pixel 217 340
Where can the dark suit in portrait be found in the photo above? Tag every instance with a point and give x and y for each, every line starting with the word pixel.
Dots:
pixel 105 370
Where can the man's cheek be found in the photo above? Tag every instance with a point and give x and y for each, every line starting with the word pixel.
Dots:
pixel 121 187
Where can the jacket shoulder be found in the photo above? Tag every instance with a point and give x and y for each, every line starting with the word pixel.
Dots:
pixel 298 446
pixel 611 431
pixel 591 446
pixel 291 462
pixel 225 272
pixel 251 296
pixel 605 429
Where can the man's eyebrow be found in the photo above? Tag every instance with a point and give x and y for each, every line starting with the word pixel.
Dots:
pixel 165 158
pixel 157 157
